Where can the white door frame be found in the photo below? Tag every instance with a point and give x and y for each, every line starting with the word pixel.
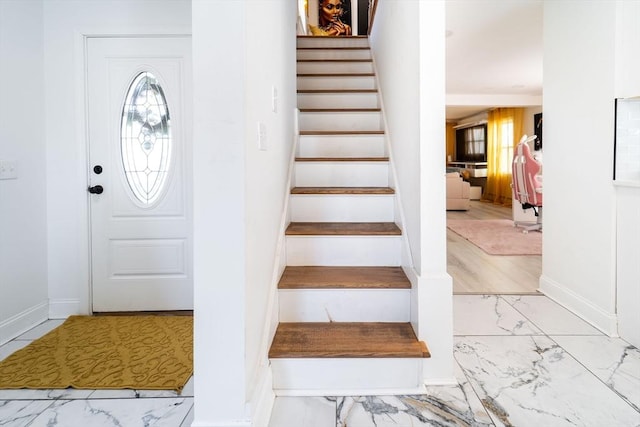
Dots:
pixel 65 308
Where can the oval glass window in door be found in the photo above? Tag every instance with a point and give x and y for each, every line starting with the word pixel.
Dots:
pixel 145 138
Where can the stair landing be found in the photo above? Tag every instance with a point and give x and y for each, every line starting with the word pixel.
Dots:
pixel 347 340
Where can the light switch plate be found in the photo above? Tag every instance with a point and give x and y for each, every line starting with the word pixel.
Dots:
pixel 8 169
pixel 262 136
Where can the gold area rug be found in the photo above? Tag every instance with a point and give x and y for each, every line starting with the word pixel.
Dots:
pixel 106 352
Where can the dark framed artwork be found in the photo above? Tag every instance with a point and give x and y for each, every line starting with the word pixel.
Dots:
pixel 537 127
pixel 334 18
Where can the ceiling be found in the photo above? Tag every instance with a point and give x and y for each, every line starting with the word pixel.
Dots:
pixel 494 55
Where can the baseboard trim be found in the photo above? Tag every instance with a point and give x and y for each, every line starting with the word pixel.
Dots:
pixel 22 322
pixel 263 400
pixel 351 392
pixel 234 423
pixel 590 313
pixel 441 381
pixel 63 308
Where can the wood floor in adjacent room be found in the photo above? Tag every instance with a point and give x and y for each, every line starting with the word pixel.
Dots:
pixel 476 272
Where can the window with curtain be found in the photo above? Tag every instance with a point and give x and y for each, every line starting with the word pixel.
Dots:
pixel 504 127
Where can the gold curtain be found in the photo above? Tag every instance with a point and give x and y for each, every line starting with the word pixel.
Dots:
pixel 504 130
pixel 451 143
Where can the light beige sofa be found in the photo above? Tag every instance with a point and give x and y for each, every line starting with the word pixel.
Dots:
pixel 458 192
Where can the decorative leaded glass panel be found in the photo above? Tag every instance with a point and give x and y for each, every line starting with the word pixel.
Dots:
pixel 145 138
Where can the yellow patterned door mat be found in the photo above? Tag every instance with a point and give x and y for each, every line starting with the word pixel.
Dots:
pixel 106 352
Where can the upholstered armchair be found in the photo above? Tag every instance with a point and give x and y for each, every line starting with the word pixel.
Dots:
pixel 458 192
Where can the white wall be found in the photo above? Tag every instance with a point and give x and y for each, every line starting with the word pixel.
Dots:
pixel 64 23
pixel 578 257
pixel 399 86
pixel 23 209
pixel 270 64
pixel 410 67
pixel 628 197
pixel 239 197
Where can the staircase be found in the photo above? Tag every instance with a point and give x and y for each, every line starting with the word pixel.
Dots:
pixel 344 300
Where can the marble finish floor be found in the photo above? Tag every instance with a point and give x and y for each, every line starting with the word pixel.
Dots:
pixel 519 361
pixel 89 408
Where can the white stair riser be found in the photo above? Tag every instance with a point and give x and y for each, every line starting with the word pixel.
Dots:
pixel 338 100
pixel 341 208
pixel 341 146
pixel 334 67
pixel 336 83
pixel 333 53
pixel 344 305
pixel 329 42
pixel 341 174
pixel 341 121
pixel 346 376
pixel 363 251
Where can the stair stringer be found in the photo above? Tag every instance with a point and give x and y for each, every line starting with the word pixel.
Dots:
pixel 262 397
pixel 406 256
pixel 423 289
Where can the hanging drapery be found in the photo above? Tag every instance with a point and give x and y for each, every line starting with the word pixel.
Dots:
pixel 504 129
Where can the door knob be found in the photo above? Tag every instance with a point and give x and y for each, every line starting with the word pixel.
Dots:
pixel 96 189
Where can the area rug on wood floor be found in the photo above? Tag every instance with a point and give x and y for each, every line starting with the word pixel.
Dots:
pixel 498 236
pixel 106 352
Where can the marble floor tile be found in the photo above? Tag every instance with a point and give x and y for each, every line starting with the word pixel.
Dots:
pixel 488 315
pixel 303 412
pixel 40 330
pixel 19 413
pixel 188 420
pixel 54 394
pixel 549 316
pixel 11 347
pixel 532 381
pixel 163 412
pixel 613 360
pixel 187 391
pixel 480 416
pixel 442 406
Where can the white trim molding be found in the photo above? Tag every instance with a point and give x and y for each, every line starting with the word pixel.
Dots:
pixel 22 322
pixel 590 313
pixel 62 308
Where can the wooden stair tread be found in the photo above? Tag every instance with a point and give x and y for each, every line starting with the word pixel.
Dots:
pixel 337 90
pixel 342 190
pixel 341 132
pixel 336 47
pixel 343 229
pixel 336 75
pixel 340 110
pixel 342 159
pixel 321 277
pixel 347 340
pixel 334 60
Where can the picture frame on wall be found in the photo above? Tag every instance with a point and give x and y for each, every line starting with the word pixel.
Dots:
pixel 332 18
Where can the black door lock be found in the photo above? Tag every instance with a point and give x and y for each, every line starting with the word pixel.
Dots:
pixel 96 189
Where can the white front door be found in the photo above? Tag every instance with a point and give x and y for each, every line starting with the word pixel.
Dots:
pixel 139 97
